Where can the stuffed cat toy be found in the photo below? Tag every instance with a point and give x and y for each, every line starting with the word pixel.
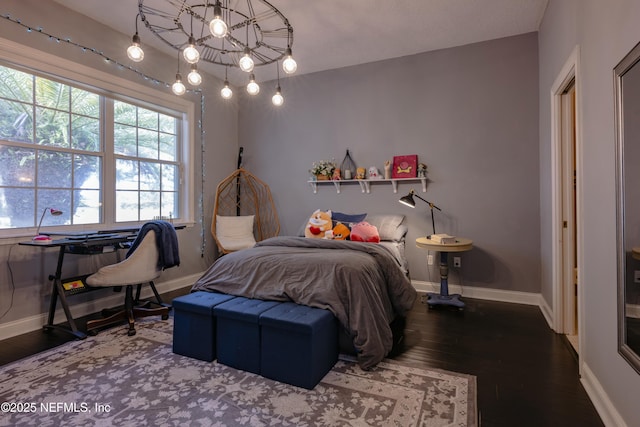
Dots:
pixel 318 225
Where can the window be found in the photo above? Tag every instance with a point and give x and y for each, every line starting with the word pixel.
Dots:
pixel 145 148
pixel 101 158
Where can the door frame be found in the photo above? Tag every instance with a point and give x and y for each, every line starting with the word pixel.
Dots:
pixel 569 72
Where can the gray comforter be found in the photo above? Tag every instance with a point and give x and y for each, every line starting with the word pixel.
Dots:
pixel 361 283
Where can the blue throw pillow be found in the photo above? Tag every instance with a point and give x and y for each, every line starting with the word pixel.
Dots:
pixel 347 218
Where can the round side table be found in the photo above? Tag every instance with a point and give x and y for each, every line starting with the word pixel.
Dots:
pixel 461 245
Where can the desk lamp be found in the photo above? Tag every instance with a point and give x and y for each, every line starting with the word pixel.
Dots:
pixel 43 238
pixel 408 201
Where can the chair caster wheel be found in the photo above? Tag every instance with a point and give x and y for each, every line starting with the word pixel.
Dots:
pixel 165 317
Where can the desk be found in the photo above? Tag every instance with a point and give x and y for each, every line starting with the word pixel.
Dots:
pixel 81 245
pixel 461 245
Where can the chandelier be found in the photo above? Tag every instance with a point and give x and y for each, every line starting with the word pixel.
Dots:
pixel 243 34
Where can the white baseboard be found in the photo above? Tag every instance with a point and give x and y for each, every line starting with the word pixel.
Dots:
pixel 607 411
pixel 33 323
pixel 547 312
pixel 517 297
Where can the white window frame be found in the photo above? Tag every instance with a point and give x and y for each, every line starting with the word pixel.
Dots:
pixel 115 87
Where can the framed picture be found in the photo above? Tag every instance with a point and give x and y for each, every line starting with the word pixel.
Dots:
pixel 405 166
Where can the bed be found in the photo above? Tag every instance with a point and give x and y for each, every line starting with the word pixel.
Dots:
pixel 365 285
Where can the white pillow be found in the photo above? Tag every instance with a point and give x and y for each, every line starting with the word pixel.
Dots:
pixel 235 232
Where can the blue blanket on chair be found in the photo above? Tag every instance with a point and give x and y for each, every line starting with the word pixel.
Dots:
pixel 166 239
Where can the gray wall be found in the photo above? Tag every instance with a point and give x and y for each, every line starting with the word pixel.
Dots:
pixel 470 113
pixel 605 32
pixel 30 267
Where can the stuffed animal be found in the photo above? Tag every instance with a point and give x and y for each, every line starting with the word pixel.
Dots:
pixel 365 232
pixel 422 170
pixel 361 173
pixel 319 223
pixel 336 174
pixel 374 173
pixel 341 232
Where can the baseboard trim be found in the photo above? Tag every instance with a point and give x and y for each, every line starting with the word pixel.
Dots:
pixel 501 295
pixel 607 411
pixel 546 312
pixel 34 323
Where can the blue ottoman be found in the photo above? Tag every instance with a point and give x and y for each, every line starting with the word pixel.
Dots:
pixel 299 344
pixel 238 332
pixel 194 326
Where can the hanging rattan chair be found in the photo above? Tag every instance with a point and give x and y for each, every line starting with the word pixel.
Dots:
pixel 241 194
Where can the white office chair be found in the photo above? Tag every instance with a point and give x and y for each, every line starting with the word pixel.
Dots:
pixel 141 267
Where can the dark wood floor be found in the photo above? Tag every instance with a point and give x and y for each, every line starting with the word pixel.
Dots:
pixel 526 374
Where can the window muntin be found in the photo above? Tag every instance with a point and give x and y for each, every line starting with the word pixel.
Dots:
pixel 53 153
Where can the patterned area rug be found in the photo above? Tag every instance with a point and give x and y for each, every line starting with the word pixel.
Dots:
pixel 115 380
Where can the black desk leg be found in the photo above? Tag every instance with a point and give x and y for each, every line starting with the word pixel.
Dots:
pixel 58 291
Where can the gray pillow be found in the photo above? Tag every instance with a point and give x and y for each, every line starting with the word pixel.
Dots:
pixel 389 226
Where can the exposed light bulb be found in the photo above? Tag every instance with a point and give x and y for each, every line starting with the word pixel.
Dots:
pixel 246 63
pixel 190 53
pixel 135 52
pixel 289 65
pixel 226 91
pixel 277 99
pixel 218 28
pixel 178 87
pixel 253 88
pixel 194 78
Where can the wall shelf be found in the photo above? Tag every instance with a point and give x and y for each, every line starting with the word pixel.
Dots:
pixel 365 184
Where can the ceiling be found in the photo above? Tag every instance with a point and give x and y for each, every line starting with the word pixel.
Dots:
pixel 332 34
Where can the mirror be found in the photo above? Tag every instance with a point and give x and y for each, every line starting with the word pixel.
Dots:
pixel 627 97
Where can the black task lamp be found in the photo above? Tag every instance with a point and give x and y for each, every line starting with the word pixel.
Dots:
pixel 43 238
pixel 408 200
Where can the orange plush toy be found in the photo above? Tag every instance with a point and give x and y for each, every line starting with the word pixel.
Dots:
pixel 341 232
pixel 318 225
